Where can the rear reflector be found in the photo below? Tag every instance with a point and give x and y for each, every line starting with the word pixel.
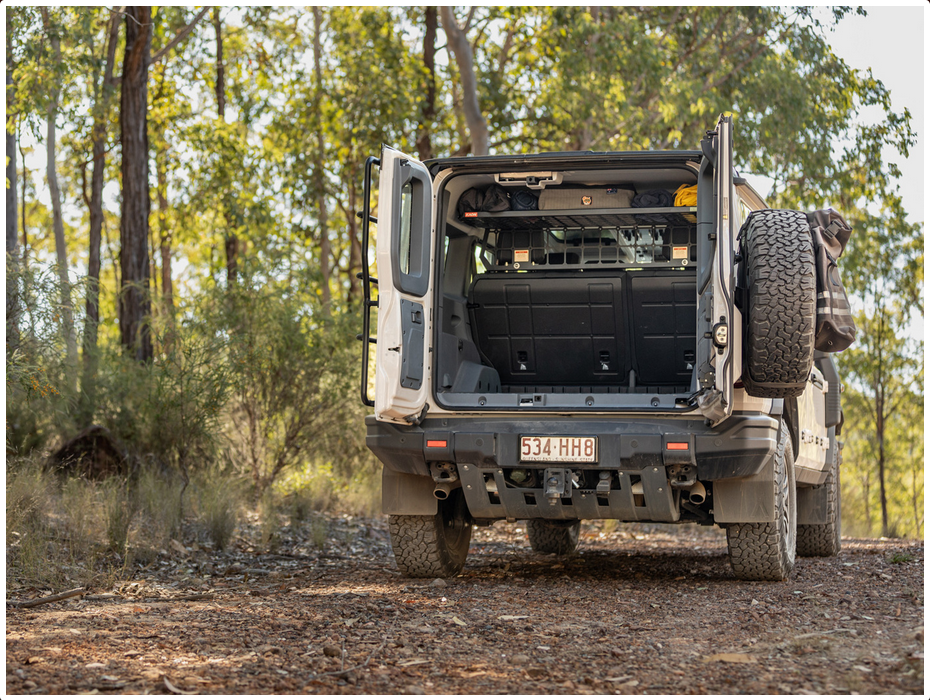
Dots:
pixel 676 446
pixel 435 443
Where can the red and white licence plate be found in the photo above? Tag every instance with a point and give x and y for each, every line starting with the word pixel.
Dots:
pixel 558 449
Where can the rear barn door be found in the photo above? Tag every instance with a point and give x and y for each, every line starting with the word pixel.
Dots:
pixel 716 332
pixel 404 250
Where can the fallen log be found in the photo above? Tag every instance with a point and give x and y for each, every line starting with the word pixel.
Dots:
pixel 47 599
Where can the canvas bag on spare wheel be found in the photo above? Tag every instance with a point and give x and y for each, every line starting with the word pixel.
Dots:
pixel 835 328
pixel 613 197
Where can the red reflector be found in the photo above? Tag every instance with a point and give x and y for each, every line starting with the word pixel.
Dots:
pixel 471 215
pixel 677 446
pixel 435 443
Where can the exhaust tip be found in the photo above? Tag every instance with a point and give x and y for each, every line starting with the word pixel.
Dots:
pixel 698 494
pixel 441 494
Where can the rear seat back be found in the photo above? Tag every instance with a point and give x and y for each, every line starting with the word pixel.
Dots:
pixel 664 313
pixel 552 329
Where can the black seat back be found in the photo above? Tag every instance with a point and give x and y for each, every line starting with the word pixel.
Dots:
pixel 552 329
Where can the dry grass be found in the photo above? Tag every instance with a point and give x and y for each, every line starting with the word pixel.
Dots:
pixel 66 530
pixel 218 501
pixel 161 508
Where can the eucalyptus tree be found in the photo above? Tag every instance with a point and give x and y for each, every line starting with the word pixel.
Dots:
pixel 53 26
pixel 134 301
pixel 12 241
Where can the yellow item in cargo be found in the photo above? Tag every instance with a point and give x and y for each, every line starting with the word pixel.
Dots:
pixel 686 196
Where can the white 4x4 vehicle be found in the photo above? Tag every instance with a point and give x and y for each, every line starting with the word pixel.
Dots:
pixel 592 353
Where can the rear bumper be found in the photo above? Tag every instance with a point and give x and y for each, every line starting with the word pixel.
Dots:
pixel 738 447
pixel 632 461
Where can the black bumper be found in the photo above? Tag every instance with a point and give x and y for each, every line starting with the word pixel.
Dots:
pixel 738 447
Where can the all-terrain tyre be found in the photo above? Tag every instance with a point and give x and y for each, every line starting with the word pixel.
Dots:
pixel 766 551
pixel 432 546
pixel 823 540
pixel 547 537
pixel 778 349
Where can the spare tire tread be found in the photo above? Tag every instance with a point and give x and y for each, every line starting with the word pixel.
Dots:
pixel 782 296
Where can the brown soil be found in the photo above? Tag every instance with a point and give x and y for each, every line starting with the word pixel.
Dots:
pixel 638 610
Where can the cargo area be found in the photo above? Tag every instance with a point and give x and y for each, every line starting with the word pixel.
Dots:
pixel 581 307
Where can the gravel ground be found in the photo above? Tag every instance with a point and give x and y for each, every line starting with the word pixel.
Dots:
pixel 638 610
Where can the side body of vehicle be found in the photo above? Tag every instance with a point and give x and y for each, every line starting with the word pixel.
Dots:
pixel 584 360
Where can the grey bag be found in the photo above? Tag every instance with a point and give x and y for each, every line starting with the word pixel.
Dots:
pixel 613 197
pixel 835 329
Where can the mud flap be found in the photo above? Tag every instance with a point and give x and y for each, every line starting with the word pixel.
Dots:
pixel 750 499
pixel 812 506
pixel 407 494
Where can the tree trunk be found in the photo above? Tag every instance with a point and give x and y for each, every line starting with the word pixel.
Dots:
pixel 220 70
pixel 880 381
pixel 61 253
pixel 134 301
pixel 428 115
pixel 464 59
pixel 355 246
pixel 232 241
pixel 164 232
pixel 323 215
pixel 12 242
pixel 22 207
pixel 880 439
pixel 585 136
pixel 99 144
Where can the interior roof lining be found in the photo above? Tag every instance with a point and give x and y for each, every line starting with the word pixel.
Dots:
pixel 668 177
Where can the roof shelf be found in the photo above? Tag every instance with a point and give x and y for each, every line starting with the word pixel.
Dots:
pixel 581 218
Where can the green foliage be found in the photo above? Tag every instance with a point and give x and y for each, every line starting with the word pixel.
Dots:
pixel 259 382
pixel 291 369
pixel 901 558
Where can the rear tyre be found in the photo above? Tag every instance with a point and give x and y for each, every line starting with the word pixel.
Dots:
pixel 781 304
pixel 823 540
pixel 432 546
pixel 547 537
pixel 766 551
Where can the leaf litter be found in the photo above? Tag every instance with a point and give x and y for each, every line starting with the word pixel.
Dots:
pixel 639 610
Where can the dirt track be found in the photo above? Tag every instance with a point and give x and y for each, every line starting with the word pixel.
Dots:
pixel 633 612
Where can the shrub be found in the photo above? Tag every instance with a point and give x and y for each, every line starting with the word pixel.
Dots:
pixel 292 370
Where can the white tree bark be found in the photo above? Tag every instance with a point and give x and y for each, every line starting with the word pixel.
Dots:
pixel 61 253
pixel 465 60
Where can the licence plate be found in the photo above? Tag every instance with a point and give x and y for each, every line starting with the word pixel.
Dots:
pixel 558 449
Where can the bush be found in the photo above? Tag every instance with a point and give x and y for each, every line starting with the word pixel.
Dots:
pixel 293 375
pixel 41 393
pixel 168 412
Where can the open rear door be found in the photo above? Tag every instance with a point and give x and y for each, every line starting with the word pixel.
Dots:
pixel 404 250
pixel 716 331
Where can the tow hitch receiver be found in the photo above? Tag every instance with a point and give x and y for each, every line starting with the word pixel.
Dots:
pixel 558 484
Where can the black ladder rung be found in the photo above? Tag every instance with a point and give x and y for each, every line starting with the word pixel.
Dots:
pixel 361 215
pixel 360 276
pixel 358 336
